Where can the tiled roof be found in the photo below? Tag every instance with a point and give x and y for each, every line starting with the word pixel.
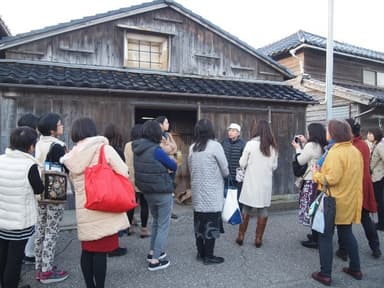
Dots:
pixel 90 20
pixel 27 73
pixel 283 46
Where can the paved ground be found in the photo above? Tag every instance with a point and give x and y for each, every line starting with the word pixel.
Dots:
pixel 281 262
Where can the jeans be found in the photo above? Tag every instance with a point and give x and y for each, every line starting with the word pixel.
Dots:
pixel 326 249
pixel 160 205
pixel 378 187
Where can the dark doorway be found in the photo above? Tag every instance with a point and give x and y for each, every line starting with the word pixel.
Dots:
pixel 181 126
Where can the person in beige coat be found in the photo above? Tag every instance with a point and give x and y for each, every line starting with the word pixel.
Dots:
pixel 97 230
pixel 259 159
pixel 377 173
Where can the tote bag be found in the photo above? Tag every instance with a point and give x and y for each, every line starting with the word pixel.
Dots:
pixel 107 190
pixel 324 217
pixel 231 211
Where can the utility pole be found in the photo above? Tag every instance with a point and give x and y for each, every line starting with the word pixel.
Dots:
pixel 329 64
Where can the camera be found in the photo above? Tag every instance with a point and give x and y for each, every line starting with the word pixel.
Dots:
pixel 296 139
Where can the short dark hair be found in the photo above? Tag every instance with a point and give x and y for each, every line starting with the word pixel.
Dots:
pixel 47 123
pixel 83 128
pixel 29 120
pixel 22 138
pixel 377 134
pixel 136 132
pixel 355 127
pixel 161 119
pixel 152 131
pixel 340 131
pixel 114 135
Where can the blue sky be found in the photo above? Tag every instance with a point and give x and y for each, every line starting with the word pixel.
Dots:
pixel 257 22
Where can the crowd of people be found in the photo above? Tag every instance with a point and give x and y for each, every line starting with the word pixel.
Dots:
pixel 337 158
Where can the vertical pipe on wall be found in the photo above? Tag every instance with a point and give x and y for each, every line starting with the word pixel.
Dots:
pixel 329 65
pixel 198 111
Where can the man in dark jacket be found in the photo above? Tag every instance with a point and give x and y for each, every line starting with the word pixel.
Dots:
pixel 233 148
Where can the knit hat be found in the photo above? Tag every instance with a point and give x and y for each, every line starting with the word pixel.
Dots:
pixel 234 126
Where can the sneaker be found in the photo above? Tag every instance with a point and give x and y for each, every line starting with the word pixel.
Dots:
pixel 162 256
pixel 162 264
pixel 53 276
pixel 28 260
pixel 117 252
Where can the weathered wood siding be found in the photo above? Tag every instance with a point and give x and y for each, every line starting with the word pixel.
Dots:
pixel 295 65
pixel 345 69
pixel 194 48
pixel 286 120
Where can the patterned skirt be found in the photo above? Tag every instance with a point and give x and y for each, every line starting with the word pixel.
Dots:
pixel 208 225
pixel 307 195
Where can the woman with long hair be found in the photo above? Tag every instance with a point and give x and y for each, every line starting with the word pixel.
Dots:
pixel 312 151
pixel 208 167
pixel 259 160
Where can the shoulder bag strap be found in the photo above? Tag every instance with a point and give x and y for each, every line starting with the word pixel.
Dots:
pixel 102 159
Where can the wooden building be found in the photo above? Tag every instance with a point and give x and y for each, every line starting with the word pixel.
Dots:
pixel 153 59
pixel 358 77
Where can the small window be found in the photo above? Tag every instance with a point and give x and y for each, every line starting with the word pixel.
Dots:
pixel 340 112
pixel 380 79
pixel 369 77
pixel 146 52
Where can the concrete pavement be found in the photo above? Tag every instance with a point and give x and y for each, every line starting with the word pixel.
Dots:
pixel 280 262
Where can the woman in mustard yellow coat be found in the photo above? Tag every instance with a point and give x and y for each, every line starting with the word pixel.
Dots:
pixel 342 169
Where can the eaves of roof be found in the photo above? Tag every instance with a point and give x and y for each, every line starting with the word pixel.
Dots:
pixel 133 10
pixel 306 39
pixel 369 96
pixel 19 74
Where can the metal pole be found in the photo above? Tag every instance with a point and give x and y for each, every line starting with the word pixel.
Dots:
pixel 329 67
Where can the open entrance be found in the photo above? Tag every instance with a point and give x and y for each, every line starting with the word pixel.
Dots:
pixel 181 124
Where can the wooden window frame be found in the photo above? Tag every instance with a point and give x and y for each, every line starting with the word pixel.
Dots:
pixel 374 80
pixel 147 40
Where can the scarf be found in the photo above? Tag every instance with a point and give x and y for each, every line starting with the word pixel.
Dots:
pixel 320 162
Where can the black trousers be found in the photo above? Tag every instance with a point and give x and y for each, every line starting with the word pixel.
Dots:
pixel 144 210
pixel 94 268
pixel 11 257
pixel 378 187
pixel 369 229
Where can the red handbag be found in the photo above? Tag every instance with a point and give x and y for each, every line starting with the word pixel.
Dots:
pixel 107 190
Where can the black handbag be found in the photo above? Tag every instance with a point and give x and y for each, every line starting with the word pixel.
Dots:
pixel 298 170
pixel 329 212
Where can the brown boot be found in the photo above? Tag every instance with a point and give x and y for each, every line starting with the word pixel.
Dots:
pixel 242 229
pixel 261 223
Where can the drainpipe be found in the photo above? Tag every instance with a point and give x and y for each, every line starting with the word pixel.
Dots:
pixel 301 64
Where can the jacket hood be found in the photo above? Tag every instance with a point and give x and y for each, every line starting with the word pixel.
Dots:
pixel 82 153
pixel 141 145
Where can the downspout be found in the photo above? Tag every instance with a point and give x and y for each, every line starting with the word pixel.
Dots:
pixel 301 64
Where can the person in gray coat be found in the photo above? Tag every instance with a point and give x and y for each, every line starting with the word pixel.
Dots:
pixel 208 166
